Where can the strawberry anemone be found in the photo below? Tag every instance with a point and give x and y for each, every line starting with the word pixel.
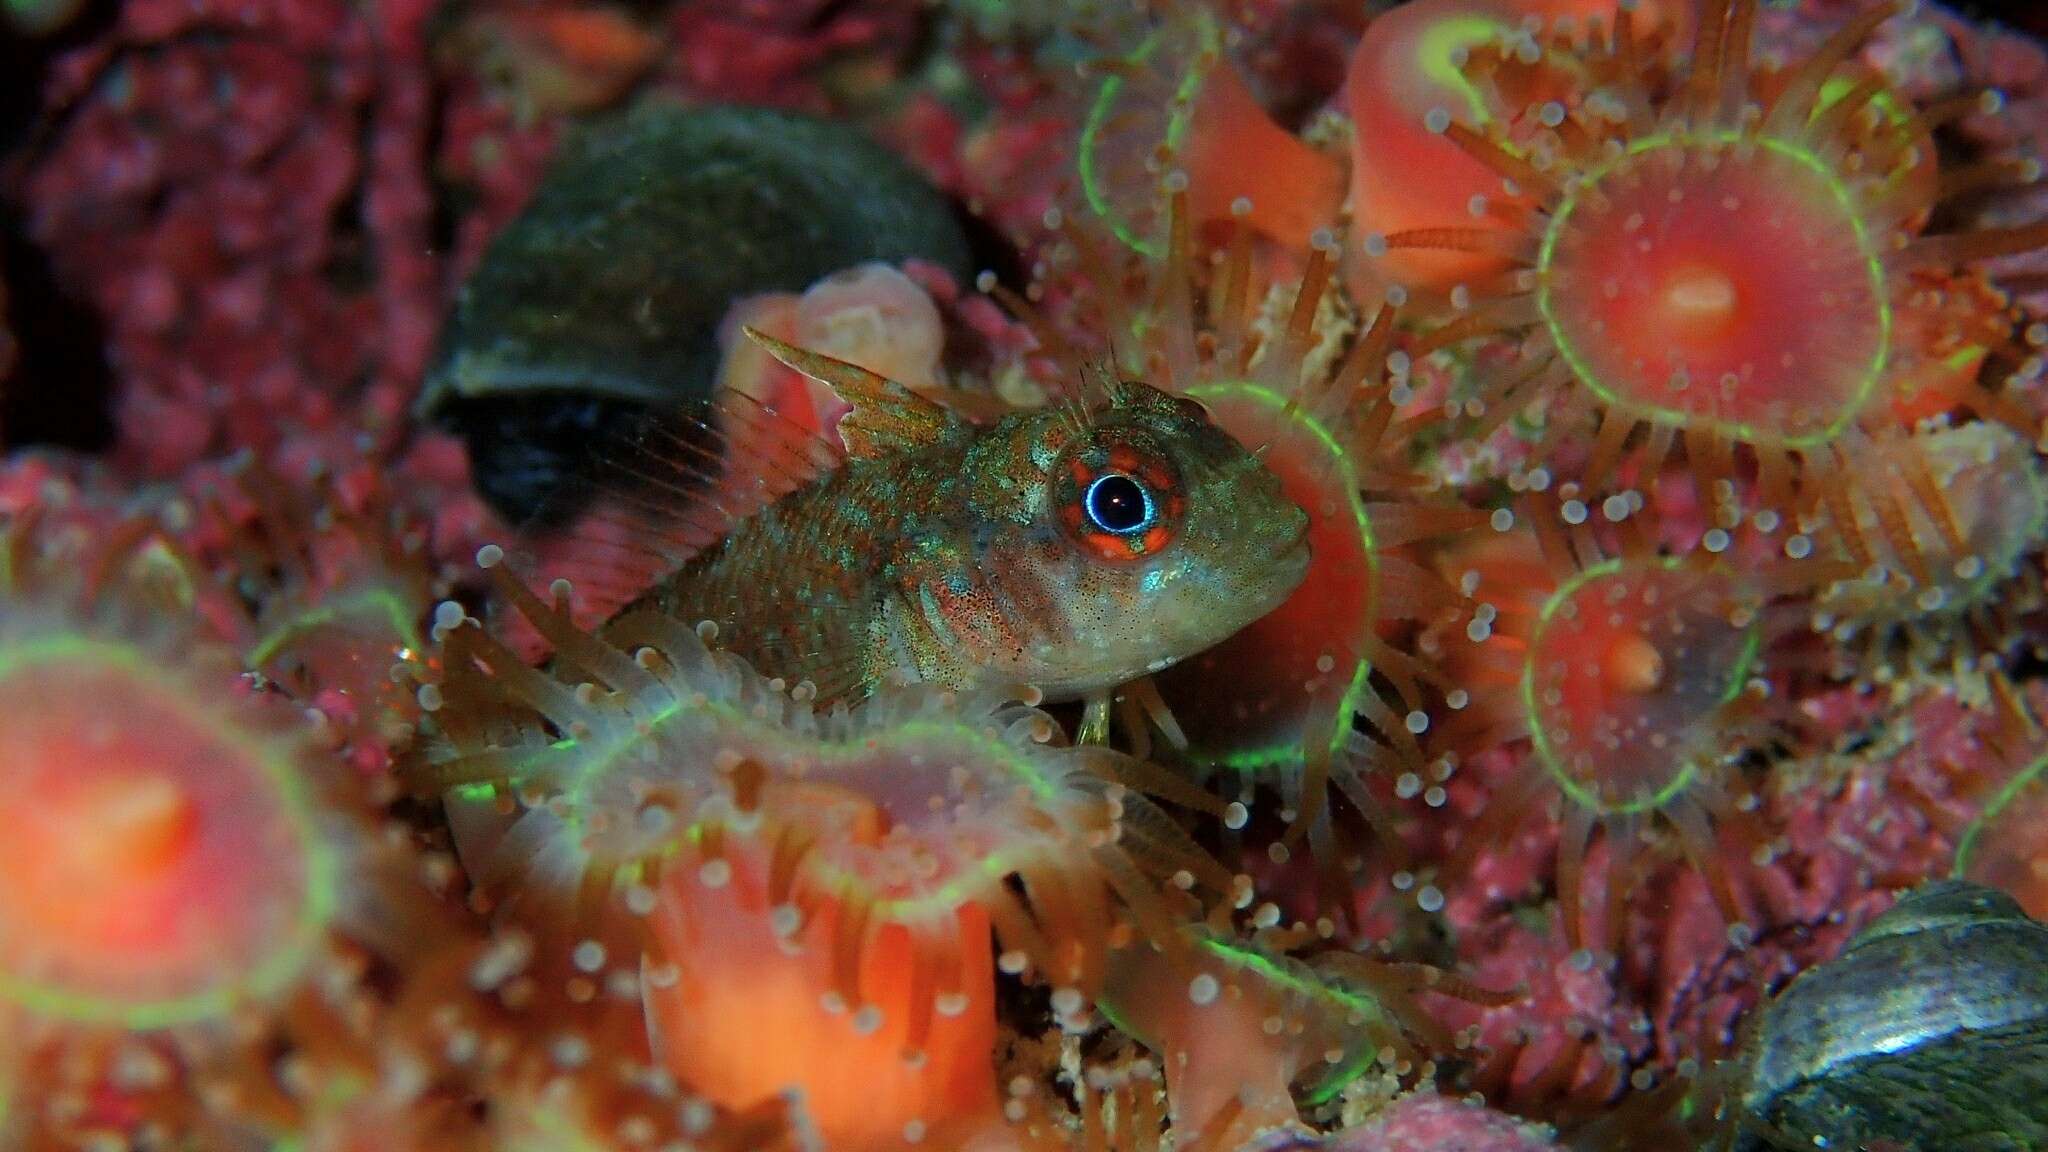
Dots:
pixel 1721 255
pixel 401 1062
pixel 1632 677
pixel 190 898
pixel 138 778
pixel 1943 541
pixel 1177 103
pixel 1249 1033
pixel 1313 696
pixel 1407 76
pixel 2006 847
pixel 823 898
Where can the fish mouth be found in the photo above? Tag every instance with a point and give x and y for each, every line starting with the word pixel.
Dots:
pixel 1283 566
pixel 1293 554
pixel 1290 568
pixel 1294 518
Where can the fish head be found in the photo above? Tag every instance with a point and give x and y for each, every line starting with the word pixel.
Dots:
pixel 1147 534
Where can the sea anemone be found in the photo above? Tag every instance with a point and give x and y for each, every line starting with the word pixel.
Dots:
pixel 191 817
pixel 1242 1027
pixel 1634 677
pixel 1291 372
pixel 808 884
pixel 192 899
pixel 1178 104
pixel 1406 74
pixel 1723 257
pixel 1943 537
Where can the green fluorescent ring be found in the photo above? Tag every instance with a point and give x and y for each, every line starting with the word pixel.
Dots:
pixel 1436 53
pixel 1261 396
pixel 1844 198
pixel 1344 1005
pixel 1095 182
pixel 287 957
pixel 1539 734
pixel 378 603
pixel 2033 774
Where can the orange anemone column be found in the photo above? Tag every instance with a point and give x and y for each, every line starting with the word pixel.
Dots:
pixel 1406 88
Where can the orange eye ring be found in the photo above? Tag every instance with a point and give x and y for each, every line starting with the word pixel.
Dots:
pixel 1120 502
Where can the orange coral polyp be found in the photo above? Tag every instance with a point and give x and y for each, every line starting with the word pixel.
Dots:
pixel 1176 105
pixel 1240 164
pixel 1725 254
pixel 1404 77
pixel 748 1000
pixel 1404 176
pixel 1627 665
pixel 159 864
pixel 845 867
pixel 1717 283
pixel 1629 677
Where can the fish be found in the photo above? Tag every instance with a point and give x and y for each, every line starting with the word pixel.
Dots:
pixel 1072 548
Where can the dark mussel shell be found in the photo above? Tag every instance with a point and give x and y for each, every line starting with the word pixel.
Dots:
pixel 1930 1032
pixel 603 298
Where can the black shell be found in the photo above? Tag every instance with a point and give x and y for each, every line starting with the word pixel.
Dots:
pixel 603 298
pixel 1930 1032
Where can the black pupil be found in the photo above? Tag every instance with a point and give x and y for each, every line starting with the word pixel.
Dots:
pixel 1116 503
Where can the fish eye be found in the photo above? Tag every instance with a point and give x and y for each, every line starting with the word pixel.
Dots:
pixel 1120 499
pixel 1119 504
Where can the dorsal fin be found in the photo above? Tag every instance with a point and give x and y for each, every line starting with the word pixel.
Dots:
pixel 887 417
pixel 661 491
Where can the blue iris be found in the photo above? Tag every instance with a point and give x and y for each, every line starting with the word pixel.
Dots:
pixel 1117 504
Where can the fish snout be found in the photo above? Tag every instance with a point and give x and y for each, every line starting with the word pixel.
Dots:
pixel 1294 559
pixel 1297 523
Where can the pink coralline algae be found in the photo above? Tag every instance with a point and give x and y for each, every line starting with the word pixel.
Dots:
pixel 765 52
pixel 1427 1123
pixel 241 191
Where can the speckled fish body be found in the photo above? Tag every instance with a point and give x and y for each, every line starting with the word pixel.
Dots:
pixel 1071 549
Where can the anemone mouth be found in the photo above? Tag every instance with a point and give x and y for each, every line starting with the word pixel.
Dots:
pixel 166 864
pixel 1625 664
pixel 1722 283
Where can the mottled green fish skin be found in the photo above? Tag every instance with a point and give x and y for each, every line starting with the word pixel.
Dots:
pixel 958 560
